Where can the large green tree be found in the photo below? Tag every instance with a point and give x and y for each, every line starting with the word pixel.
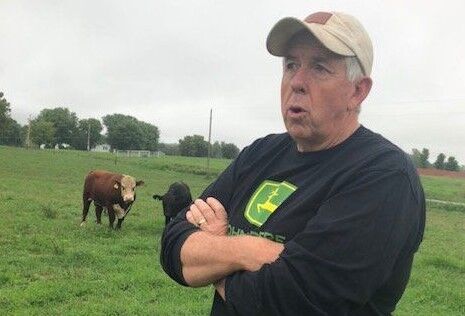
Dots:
pixel 4 109
pixel 216 150
pixel 452 164
pixel 123 132
pixel 87 129
pixel 126 132
pixel 150 136
pixel 420 159
pixel 193 146
pixel 64 122
pixel 439 163
pixel 43 132
pixel 229 150
pixel 10 133
pixel 10 130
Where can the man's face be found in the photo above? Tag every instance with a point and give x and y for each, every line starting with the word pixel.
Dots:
pixel 315 95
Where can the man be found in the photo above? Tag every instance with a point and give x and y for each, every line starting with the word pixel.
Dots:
pixel 321 220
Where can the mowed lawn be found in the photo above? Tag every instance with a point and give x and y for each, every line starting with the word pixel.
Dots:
pixel 51 265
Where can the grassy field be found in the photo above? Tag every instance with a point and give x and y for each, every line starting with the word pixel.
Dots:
pixel 50 265
pixel 446 189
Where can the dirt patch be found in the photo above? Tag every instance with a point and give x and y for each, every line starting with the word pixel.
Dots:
pixel 441 173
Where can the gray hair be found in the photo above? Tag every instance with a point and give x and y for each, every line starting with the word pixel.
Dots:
pixel 353 70
pixel 353 73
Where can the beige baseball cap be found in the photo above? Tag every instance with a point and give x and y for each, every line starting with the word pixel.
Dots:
pixel 339 32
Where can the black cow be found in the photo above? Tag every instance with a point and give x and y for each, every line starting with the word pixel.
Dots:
pixel 177 198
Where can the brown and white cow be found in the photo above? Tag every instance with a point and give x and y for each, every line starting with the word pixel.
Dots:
pixel 113 191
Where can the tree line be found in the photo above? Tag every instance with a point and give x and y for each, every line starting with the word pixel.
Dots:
pixel 420 159
pixel 197 146
pixel 59 127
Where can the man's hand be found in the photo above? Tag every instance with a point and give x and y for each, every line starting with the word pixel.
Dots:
pixel 210 216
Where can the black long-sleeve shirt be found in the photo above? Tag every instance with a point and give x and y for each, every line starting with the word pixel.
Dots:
pixel 350 218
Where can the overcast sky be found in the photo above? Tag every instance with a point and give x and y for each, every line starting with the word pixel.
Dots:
pixel 169 62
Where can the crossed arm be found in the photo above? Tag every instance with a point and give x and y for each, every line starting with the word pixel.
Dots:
pixel 209 255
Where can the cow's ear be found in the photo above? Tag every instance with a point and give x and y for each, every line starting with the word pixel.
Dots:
pixel 116 185
pixel 139 183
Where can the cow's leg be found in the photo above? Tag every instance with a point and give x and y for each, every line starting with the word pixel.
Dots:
pixel 111 215
pixel 120 221
pixel 85 209
pixel 98 213
pixel 167 220
pixel 120 214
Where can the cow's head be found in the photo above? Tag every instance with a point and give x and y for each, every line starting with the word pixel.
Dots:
pixel 128 185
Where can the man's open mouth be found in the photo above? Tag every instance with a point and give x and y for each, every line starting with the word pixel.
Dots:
pixel 296 110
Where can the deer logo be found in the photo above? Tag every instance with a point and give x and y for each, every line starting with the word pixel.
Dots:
pixel 268 206
pixel 266 199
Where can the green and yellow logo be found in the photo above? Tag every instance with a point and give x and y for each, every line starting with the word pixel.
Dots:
pixel 266 199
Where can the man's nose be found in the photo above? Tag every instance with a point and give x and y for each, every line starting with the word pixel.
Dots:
pixel 298 82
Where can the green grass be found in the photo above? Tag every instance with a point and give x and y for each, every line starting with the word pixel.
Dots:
pixel 50 265
pixel 437 283
pixel 446 189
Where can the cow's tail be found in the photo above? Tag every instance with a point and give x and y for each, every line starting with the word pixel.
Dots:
pixel 158 197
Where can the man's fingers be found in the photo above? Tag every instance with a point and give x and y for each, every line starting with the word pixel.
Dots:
pixel 205 210
pixel 190 218
pixel 209 211
pixel 219 209
pixel 197 216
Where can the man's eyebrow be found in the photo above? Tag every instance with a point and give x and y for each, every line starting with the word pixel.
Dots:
pixel 320 59
pixel 325 58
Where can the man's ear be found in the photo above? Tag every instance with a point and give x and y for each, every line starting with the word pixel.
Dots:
pixel 139 183
pixel 362 88
pixel 116 185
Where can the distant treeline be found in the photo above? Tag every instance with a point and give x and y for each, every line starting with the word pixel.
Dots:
pixel 420 159
pixel 196 146
pixel 59 127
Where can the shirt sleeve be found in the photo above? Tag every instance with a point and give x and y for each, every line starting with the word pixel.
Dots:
pixel 341 257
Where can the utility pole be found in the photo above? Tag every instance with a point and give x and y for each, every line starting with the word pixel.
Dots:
pixel 209 143
pixel 28 136
pixel 88 136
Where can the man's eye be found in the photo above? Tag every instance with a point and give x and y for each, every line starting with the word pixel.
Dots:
pixel 290 65
pixel 320 68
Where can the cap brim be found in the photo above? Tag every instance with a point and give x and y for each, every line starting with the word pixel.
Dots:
pixel 282 32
